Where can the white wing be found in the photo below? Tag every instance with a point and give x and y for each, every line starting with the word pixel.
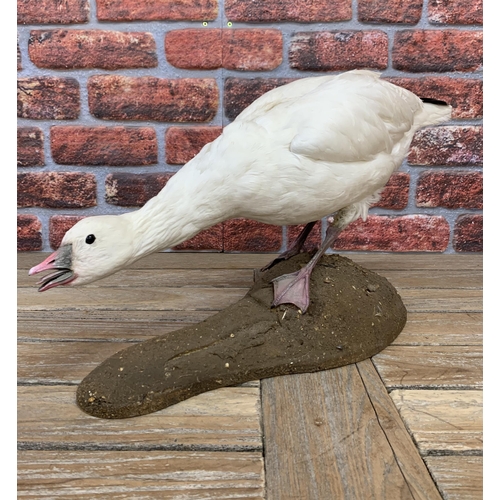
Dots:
pixel 351 117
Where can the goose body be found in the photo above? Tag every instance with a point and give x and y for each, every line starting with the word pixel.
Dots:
pixel 300 152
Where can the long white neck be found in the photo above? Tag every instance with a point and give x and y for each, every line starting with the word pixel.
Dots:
pixel 191 201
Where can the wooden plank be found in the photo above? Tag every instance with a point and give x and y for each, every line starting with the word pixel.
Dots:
pixel 147 278
pixel 439 300
pixel 203 260
pixel 175 260
pixel 103 325
pixel 206 298
pixel 140 475
pixel 61 362
pixel 411 464
pixel 323 440
pixel 442 329
pixel 436 278
pixel 378 261
pixel 457 477
pixel 144 299
pixel 410 278
pixel 433 367
pixel 227 419
pixel 443 421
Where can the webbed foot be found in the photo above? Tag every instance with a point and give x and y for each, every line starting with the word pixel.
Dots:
pixel 292 288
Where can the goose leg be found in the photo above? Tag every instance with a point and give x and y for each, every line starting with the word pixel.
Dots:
pixel 295 248
pixel 293 288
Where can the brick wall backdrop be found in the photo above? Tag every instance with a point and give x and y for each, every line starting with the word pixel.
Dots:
pixel 115 95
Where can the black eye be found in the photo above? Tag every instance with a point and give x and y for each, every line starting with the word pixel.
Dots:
pixel 90 239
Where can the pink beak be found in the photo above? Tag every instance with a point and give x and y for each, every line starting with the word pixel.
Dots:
pixel 46 265
pixel 60 260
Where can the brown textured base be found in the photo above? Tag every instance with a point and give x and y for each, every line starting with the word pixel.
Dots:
pixel 354 314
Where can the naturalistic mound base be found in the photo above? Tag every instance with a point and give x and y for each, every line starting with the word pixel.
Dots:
pixel 354 314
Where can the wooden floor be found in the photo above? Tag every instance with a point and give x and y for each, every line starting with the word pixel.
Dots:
pixel 406 424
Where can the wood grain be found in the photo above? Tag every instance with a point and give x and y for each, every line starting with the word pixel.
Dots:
pixel 323 440
pixel 112 326
pixel 449 300
pixel 376 261
pixel 123 299
pixel 442 329
pixel 430 367
pixel 412 466
pixel 443 421
pixel 437 278
pixel 226 278
pixel 140 278
pixel 458 478
pixel 61 362
pixel 140 475
pixel 227 419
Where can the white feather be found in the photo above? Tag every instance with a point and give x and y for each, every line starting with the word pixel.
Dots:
pixel 298 153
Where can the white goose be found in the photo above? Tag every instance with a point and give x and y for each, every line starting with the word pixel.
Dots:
pixel 300 152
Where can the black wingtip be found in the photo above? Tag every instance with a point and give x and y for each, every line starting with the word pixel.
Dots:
pixel 430 100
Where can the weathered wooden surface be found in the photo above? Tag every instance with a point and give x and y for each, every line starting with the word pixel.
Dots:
pixel 443 421
pixel 458 477
pixel 332 437
pixel 373 261
pixel 431 366
pixel 139 475
pixel 412 466
pixel 226 419
pixel 406 424
pixel 442 329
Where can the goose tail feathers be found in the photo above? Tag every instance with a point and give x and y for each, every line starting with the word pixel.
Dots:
pixel 434 112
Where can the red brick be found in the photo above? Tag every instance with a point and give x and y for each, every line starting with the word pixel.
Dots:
pixel 465 95
pixel 240 93
pixel 407 233
pixel 468 234
pixel 437 50
pixel 194 48
pixel 75 145
pixel 396 192
pixel 450 189
pixel 48 98
pixel 313 241
pixel 156 10
pixel 209 239
pixel 29 233
pixel 56 190
pixel 58 225
pixel 134 190
pixel 243 235
pixel 74 49
pixel 455 11
pixel 30 147
pixel 183 143
pixel 455 145
pixel 115 97
pixel 339 50
pixel 304 11
pixel 52 11
pixel 239 49
pixel 390 11
pixel 252 49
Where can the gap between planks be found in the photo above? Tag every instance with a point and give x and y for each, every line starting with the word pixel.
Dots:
pixel 337 434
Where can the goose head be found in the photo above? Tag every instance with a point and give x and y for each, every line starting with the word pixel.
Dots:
pixel 93 248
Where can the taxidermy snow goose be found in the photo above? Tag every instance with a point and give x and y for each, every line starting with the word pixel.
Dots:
pixel 303 151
